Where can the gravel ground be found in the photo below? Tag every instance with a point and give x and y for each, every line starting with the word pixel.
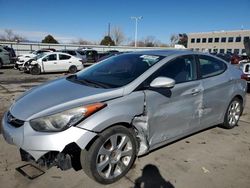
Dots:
pixel 213 158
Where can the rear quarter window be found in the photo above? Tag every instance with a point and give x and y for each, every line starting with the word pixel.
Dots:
pixel 210 66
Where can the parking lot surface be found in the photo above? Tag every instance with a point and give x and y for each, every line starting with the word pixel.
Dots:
pixel 212 158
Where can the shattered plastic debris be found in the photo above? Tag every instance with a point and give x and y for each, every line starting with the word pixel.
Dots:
pixel 205 170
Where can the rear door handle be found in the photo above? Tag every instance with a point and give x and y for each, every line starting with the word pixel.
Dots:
pixel 195 91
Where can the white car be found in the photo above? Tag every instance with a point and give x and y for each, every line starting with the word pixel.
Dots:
pixel 23 58
pixel 245 66
pixel 55 62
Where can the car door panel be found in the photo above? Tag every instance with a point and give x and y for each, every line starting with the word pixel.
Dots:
pixel 5 56
pixel 64 62
pixel 216 97
pixel 176 111
pixel 173 115
pixel 217 86
pixel 51 63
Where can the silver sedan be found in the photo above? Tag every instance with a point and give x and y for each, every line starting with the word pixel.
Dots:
pixel 101 118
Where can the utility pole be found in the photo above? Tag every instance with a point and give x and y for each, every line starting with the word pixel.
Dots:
pixel 136 18
pixel 109 29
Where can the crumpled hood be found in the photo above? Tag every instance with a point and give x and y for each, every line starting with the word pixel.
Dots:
pixel 58 95
pixel 27 55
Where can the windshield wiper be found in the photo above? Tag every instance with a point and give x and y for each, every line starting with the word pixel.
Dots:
pixel 94 83
pixel 87 82
pixel 72 77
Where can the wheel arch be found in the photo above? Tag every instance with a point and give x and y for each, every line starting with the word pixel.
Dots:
pixel 238 97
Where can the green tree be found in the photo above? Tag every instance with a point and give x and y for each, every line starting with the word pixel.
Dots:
pixel 107 41
pixel 50 39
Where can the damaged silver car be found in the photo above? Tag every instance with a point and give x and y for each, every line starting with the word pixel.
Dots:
pixel 101 118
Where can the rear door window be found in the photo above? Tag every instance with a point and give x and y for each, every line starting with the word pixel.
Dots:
pixel 210 66
pixel 63 57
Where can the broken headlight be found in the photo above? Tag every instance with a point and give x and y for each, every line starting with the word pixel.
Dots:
pixel 66 119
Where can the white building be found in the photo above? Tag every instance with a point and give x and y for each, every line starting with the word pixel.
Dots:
pixel 219 41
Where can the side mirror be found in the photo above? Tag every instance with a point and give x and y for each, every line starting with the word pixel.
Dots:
pixel 162 82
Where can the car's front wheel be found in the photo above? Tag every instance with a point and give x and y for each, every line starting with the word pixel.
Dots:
pixel 35 70
pixel 111 155
pixel 233 113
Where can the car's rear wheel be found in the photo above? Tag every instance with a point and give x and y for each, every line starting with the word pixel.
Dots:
pixel 35 70
pixel 111 155
pixel 233 113
pixel 72 69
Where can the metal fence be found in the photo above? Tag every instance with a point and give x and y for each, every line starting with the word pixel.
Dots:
pixel 25 47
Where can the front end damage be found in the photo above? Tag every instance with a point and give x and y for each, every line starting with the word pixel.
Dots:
pixel 140 124
pixel 66 159
pixel 61 149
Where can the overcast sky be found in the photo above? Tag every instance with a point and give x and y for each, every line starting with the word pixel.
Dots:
pixel 71 20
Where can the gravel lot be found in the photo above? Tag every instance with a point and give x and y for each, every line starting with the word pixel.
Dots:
pixel 213 158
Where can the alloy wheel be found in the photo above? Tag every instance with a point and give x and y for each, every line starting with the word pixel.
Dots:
pixel 114 156
pixel 234 111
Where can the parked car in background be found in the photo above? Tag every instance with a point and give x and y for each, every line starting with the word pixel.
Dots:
pixel 4 57
pixel 245 62
pixel 245 66
pixel 22 59
pixel 91 55
pixel 235 59
pixel 26 66
pixel 77 53
pixel 55 62
pixel 12 53
pixel 225 57
pixel 109 55
pixel 101 118
pixel 112 51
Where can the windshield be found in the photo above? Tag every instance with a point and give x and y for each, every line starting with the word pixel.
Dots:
pixel 81 52
pixel 117 71
pixel 39 56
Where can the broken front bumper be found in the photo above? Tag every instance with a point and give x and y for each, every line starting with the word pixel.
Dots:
pixel 38 144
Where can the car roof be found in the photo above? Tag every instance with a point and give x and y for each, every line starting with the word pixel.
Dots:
pixel 67 50
pixel 48 53
pixel 165 53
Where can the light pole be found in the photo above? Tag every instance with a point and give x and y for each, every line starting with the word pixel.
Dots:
pixel 136 18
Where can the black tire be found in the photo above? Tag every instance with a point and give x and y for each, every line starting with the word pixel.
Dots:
pixel 36 70
pixel 72 69
pixel 233 112
pixel 121 164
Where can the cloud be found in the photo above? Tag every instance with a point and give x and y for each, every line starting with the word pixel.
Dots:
pixel 39 35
